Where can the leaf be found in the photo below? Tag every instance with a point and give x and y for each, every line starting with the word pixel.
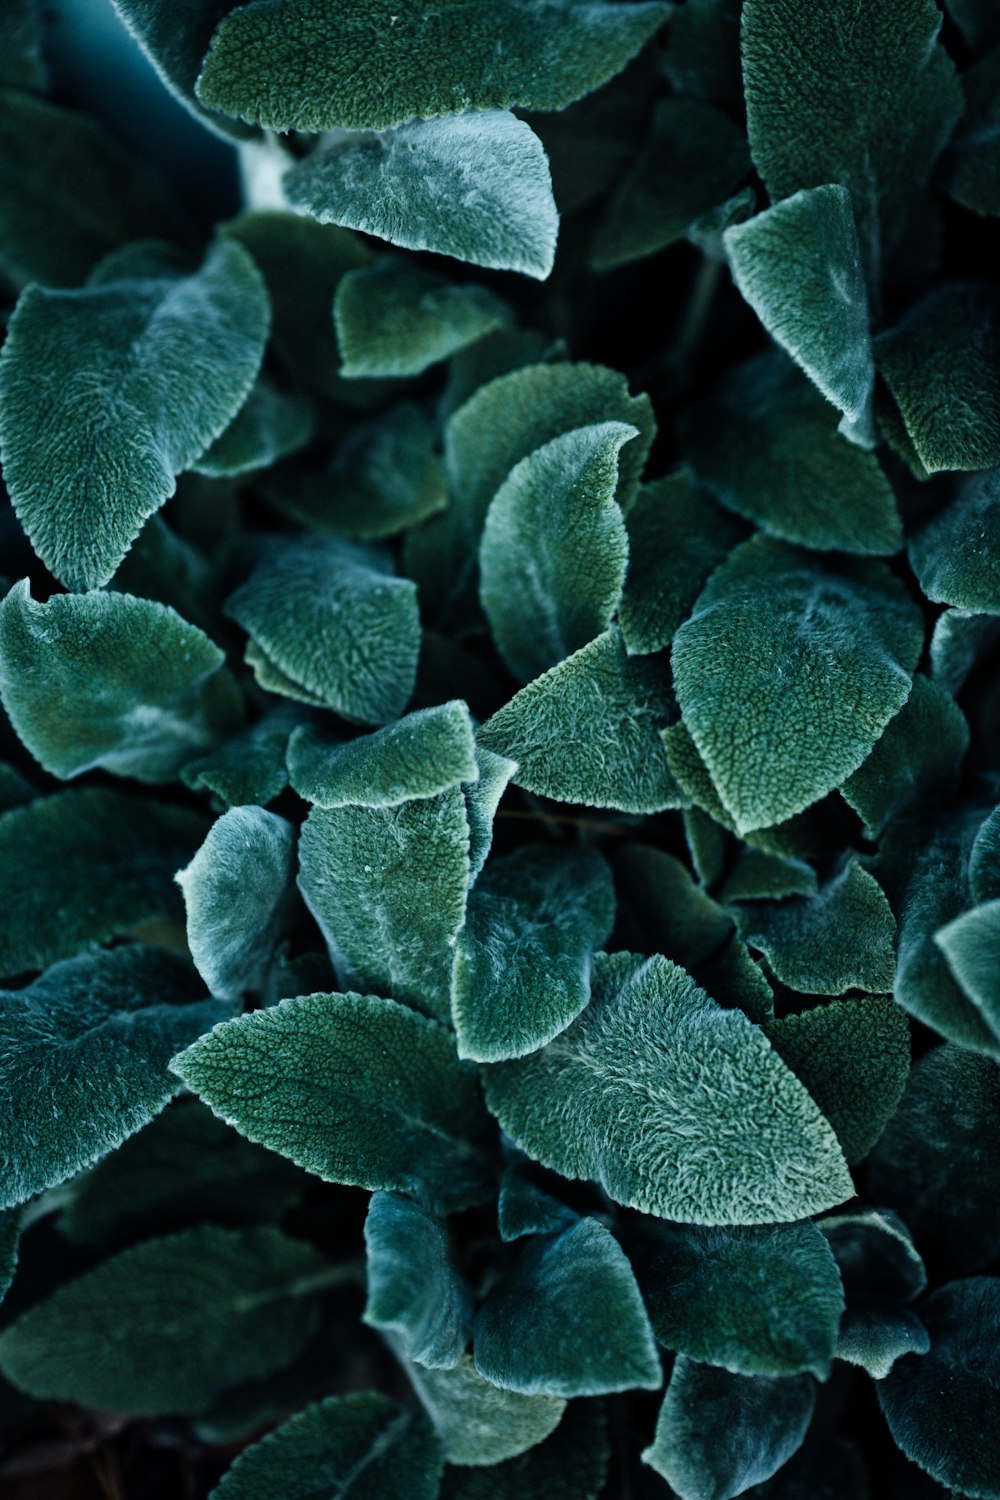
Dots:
pixel 959 638
pixel 784 466
pixel 974 156
pixel 554 549
pixel 425 753
pixel 816 663
pixel 388 888
pixel 568 1321
pixel 675 1106
pixel 414 1290
pixel 702 52
pixel 85 1054
pixel 840 939
pixel 174 35
pixel 237 891
pixel 359 1090
pixel 249 768
pixel 875 1337
pixel 977 20
pixel 587 731
pixel 81 867
pixel 676 538
pixel 300 67
pixel 409 186
pixel 10 1235
pixel 718 1434
pixel 394 318
pixel 269 425
pixel 569 1465
pixel 984 859
pixel 940 364
pixel 331 625
pixel 106 680
pixel 805 129
pixel 482 798
pixel 21 40
pixel 496 354
pixel 756 1301
pixel 970 945
pixel 936 1160
pixel 667 910
pixel 820 1470
pixel 58 166
pixel 955 555
pixel 523 960
pixel 477 1423
pixel 941 1408
pixel 100 409
pixel 920 751
pixel 242 1302
pixel 332 1447
pixel 524 1208
pixel 878 1260
pixel 760 876
pixel 692 160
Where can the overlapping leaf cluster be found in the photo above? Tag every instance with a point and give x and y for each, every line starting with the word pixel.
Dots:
pixel 507 1002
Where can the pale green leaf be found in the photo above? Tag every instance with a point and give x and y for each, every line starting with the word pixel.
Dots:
pixel 920 752
pixel 250 768
pixel 569 1465
pixel 414 1290
pixel 971 946
pixel 359 1090
pixel 956 555
pixel 675 1106
pixel 477 1422
pixel 269 425
pixel 109 392
pixel 420 755
pixel 875 1337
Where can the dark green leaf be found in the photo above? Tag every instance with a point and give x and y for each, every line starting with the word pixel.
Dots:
pixel 919 752
pixel 476 1422
pixel 414 1290
pixel 956 556
pixel 702 52
pixel 959 638
pixel 984 860
pixel 108 393
pixel 675 1106
pixel 10 1234
pixel 975 157
pixel 569 1465
pixel 977 20
pixel 482 798
pixel 760 876
pixel 524 1208
pixel 22 63
pixel 249 768
pixel 875 1337
pixel 877 1258
pixel 267 426
pixel 420 755
pixel 359 1090
pixel 174 34
pixel 971 946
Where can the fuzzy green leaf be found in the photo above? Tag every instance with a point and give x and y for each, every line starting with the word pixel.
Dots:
pixel 362 1444
pixel 331 625
pixel 718 1434
pixel 875 1337
pixel 413 1288
pixel 85 1054
pixel 587 731
pixel 359 1090
pixel 524 1208
pixel 760 876
pixel 956 555
pixel 984 860
pixel 297 65
pixel 675 1106
pixel 554 549
pixel 420 755
pixel 477 1422
pixel 394 318
pixel 108 393
pixel 958 640
pixel 248 769
pixel 10 1235
pixel 408 186
pixel 787 673
pixel 919 752
pixel 388 887
pixel 523 959
pixel 241 1302
pixel 755 1301
pixel 569 1465
pixel 83 866
pixel 971 946
pixel 568 1321
pixel 878 1260
pixel 106 680
pixel 267 426
pixel 482 798
pixel 799 266
pixel 941 1409
pixel 174 34
pixel 975 155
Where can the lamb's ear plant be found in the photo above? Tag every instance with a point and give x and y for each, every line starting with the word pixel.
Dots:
pixel 499 828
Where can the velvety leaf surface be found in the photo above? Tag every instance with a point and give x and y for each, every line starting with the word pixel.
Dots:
pixel 299 67
pixel 482 798
pixel 476 1422
pixel 568 1321
pixel 875 1253
pixel 670 910
pixel 408 186
pixel 174 34
pixel 267 426
pixel 760 1300
pixel 85 1054
pixel 569 1465
pixel 362 1444
pixel 524 1208
pixel 108 392
pixel 83 866
pixel 941 1409
pixel 523 960
pixel 420 755
pixel 106 680
pixel 971 946
pixel 815 662
pixel 798 264
pixel 554 549
pixel 984 859
pixel 875 1337
pixel 388 888
pixel 242 1303
pixel 335 625
pixel 955 556
pixel 920 751
pixel 717 1434
pixel 396 319
pixel 959 638
pixel 414 1290
pixel 250 767
pixel 587 731
pixel 10 1234
pixel 359 1090
pixel 975 156
pixel 236 892
pixel 675 1106
pixel 758 875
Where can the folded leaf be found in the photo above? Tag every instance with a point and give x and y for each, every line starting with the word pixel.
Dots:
pixel 295 65
pixel 815 663
pixel 326 1448
pixel 174 34
pixel 420 755
pixel 414 1290
pixel 587 731
pixel 523 960
pixel 241 1303
pixel 248 769
pixel 569 1465
pixel 554 549
pixel 482 798
pixel 106 680
pixel 524 1208
pixel 477 1422
pixel 919 752
pixel 267 426
pixel 672 1105
pixel 877 1258
pixel 956 556
pixel 359 1090
pixel 875 1337
pixel 394 318
pixel 718 1434
pixel 408 186
pixel 971 946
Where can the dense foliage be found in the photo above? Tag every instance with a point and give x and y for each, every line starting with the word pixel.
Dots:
pixel 507 1000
